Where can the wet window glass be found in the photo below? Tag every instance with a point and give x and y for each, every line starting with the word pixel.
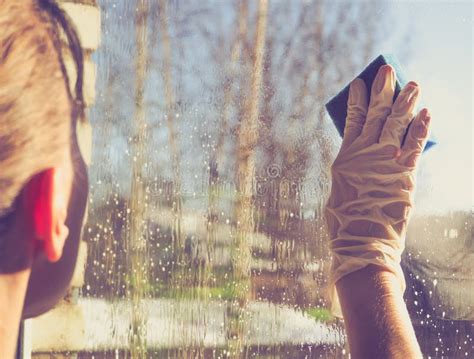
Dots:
pixel 210 171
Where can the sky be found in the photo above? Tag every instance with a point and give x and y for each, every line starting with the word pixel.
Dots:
pixel 441 61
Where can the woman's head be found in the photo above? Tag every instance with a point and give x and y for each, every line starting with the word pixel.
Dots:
pixel 43 178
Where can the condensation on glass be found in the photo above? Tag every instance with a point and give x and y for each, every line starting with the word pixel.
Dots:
pixel 209 176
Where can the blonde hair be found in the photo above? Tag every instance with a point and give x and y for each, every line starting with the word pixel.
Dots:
pixel 35 101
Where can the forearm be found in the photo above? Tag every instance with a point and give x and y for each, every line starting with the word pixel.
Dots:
pixel 375 315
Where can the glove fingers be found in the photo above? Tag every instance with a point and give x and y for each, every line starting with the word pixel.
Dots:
pixel 356 111
pixel 381 100
pixel 401 116
pixel 416 139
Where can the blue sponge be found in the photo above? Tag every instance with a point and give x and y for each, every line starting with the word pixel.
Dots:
pixel 337 106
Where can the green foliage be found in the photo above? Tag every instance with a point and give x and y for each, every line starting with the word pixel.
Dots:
pixel 224 292
pixel 319 314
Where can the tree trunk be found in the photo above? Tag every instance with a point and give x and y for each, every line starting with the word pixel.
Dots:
pixel 138 252
pixel 244 211
pixel 170 102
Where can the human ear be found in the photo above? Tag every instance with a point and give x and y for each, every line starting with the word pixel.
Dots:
pixel 46 200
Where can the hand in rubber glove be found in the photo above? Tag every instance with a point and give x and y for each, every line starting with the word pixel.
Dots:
pixel 373 177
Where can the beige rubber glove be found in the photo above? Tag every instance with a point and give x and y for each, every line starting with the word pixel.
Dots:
pixel 373 179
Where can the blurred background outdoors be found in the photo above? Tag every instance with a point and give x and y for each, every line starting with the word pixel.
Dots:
pixel 210 170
